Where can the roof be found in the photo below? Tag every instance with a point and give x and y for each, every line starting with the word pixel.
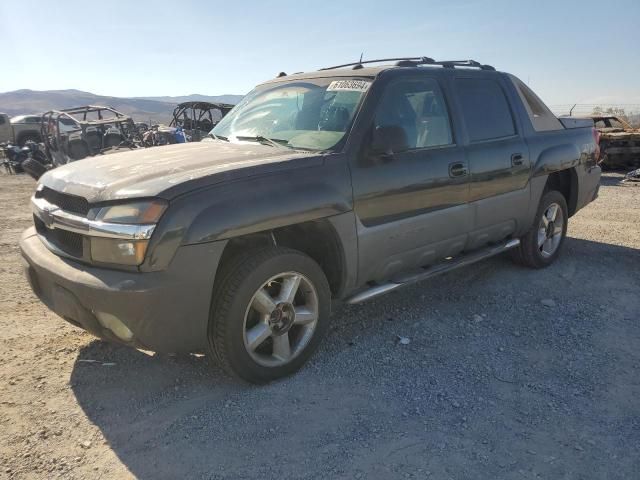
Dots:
pixel 204 105
pixel 91 109
pixel 599 117
pixel 362 69
pixel 626 125
pixel 369 72
pixel 72 113
pixel 20 118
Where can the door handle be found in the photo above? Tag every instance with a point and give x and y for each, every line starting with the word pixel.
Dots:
pixel 517 159
pixel 457 169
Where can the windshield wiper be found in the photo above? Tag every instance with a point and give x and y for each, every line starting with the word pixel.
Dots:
pixel 274 142
pixel 218 137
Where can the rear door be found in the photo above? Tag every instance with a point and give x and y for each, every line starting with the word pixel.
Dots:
pixel 411 206
pixel 498 157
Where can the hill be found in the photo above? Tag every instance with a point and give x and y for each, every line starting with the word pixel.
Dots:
pixel 196 97
pixel 154 109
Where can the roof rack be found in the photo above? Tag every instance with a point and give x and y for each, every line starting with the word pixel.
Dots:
pixel 464 63
pixel 360 63
pixel 416 61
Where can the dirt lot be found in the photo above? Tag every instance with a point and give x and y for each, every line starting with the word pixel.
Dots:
pixel 509 373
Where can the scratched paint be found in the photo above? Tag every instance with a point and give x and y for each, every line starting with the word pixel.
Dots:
pixel 148 172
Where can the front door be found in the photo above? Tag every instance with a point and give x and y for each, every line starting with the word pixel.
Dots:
pixel 411 206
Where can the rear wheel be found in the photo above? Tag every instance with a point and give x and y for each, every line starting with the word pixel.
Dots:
pixel 33 137
pixel 270 311
pixel 541 245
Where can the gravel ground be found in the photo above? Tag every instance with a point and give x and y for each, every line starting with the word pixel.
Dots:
pixel 509 373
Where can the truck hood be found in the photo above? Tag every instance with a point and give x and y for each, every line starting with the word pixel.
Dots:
pixel 170 170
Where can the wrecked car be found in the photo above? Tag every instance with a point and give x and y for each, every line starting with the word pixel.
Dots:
pixel 159 135
pixel 198 118
pixel 619 142
pixel 76 133
pixel 142 127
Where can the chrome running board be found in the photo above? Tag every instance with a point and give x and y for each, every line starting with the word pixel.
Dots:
pixel 428 272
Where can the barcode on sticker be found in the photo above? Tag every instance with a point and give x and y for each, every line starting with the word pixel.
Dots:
pixel 349 85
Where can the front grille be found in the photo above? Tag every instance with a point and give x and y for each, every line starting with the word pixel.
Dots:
pixel 70 243
pixel 67 202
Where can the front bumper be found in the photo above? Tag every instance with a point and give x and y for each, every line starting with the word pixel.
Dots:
pixel 166 311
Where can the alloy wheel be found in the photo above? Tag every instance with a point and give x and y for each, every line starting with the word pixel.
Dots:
pixel 550 230
pixel 280 319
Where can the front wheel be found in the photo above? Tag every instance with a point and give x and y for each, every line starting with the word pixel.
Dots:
pixel 541 245
pixel 270 311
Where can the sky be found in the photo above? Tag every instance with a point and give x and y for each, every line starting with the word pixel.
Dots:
pixel 573 51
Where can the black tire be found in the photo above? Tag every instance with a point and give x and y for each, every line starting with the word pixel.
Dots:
pixel 528 253
pixel 78 151
pixel 34 137
pixel 238 281
pixel 112 140
pixel 34 168
pixel 40 157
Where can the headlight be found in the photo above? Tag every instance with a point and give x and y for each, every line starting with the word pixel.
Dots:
pixel 124 251
pixel 148 211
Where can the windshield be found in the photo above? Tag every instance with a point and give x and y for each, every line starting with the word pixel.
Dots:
pixel 307 114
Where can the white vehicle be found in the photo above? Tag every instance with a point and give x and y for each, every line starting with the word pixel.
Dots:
pixel 19 129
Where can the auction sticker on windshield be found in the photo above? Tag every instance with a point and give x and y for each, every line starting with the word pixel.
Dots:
pixel 349 85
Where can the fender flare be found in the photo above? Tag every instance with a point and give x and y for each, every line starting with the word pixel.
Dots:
pixel 233 209
pixel 557 158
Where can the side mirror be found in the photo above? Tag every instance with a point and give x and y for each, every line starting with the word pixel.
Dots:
pixel 388 140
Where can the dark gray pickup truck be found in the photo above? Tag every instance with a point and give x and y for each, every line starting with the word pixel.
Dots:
pixel 336 185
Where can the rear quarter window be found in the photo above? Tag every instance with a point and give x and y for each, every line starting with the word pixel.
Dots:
pixel 542 119
pixel 485 109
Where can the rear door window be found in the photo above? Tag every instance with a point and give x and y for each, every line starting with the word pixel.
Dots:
pixel 485 109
